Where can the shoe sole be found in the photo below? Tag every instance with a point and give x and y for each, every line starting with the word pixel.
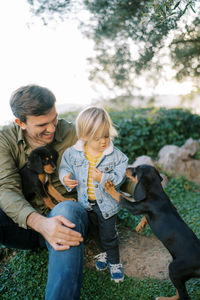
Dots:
pixel 117 280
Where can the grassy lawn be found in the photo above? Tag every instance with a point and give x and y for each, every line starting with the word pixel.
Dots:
pixel 24 275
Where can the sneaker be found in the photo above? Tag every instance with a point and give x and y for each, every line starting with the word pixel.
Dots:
pixel 116 272
pixel 102 261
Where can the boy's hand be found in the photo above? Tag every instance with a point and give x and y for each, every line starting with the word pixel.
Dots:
pixel 97 175
pixel 69 182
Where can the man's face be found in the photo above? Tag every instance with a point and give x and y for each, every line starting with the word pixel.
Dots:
pixel 41 129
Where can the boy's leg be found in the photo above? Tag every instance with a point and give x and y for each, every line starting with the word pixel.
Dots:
pixel 108 236
pixel 13 236
pixel 65 267
pixel 93 228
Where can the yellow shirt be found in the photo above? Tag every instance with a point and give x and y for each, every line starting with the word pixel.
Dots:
pixel 92 160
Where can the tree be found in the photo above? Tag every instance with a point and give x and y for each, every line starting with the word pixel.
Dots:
pixel 185 52
pixel 129 35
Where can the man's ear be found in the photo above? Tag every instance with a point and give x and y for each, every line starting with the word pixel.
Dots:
pixel 20 123
pixel 139 193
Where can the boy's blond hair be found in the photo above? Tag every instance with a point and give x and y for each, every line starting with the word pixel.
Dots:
pixel 92 119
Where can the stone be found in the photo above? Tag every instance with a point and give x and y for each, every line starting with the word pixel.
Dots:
pixel 141 160
pixel 192 146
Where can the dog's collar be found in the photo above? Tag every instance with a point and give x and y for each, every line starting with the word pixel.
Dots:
pixel 79 146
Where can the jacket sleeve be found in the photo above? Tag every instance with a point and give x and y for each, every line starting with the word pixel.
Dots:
pixel 117 175
pixel 12 201
pixel 66 167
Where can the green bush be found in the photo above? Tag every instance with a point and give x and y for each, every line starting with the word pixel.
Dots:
pixel 145 131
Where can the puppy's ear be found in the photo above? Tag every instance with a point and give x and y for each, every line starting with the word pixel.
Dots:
pixel 139 193
pixel 35 163
pixel 161 179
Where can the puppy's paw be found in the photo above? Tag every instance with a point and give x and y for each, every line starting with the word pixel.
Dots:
pixel 141 226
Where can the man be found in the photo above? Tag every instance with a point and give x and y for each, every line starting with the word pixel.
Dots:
pixel 27 225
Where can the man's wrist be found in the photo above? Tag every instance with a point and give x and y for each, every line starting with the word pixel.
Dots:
pixel 35 221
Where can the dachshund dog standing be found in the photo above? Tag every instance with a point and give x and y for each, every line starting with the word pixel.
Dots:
pixel 36 176
pixel 150 199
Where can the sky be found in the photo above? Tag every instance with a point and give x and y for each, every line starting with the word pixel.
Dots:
pixel 47 56
pixel 50 56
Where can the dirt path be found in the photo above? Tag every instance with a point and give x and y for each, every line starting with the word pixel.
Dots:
pixel 144 257
pixel 141 256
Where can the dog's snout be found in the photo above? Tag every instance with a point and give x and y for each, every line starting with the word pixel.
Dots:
pixel 53 166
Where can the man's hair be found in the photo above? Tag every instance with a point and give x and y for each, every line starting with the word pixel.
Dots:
pixel 91 119
pixel 31 100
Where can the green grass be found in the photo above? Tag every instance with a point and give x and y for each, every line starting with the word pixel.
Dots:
pixel 24 275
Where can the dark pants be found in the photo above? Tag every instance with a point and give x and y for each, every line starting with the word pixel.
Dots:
pixel 105 233
pixel 13 236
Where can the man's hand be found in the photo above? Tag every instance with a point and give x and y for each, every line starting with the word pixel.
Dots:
pixel 69 182
pixel 56 230
pixel 97 175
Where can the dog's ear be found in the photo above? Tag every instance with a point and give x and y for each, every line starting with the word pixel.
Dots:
pixel 160 177
pixel 139 193
pixel 35 163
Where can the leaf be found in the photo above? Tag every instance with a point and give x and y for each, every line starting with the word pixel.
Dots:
pixel 192 8
pixel 177 4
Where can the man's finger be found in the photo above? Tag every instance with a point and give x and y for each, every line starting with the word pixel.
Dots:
pixel 58 247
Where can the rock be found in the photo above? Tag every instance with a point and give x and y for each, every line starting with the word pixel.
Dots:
pixel 193 167
pixel 192 146
pixel 173 151
pixel 141 160
pixel 171 160
pixel 178 160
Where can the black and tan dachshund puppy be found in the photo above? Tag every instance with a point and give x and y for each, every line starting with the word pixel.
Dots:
pixel 36 176
pixel 150 199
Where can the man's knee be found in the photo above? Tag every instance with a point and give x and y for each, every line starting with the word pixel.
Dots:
pixel 72 211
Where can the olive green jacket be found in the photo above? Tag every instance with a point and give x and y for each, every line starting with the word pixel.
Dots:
pixel 14 151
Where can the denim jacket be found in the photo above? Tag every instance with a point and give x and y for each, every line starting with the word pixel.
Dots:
pixel 112 164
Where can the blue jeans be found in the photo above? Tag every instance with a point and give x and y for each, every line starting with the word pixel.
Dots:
pixel 65 267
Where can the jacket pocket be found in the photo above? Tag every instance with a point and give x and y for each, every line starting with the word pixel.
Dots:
pixel 77 163
pixel 106 168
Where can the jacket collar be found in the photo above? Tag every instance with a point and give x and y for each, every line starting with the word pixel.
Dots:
pixel 79 146
pixel 20 134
